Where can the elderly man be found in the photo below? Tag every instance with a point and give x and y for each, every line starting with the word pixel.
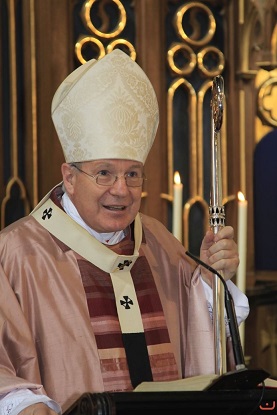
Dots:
pixel 94 295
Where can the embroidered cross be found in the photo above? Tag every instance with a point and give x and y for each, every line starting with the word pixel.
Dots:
pixel 126 302
pixel 126 263
pixel 47 213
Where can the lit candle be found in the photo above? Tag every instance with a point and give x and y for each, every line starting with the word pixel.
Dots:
pixel 242 241
pixel 177 207
pixel 242 250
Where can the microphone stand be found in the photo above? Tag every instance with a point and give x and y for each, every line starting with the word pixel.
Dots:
pixel 242 378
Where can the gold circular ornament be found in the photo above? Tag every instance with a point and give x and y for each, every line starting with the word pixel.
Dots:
pixel 266 102
pixel 111 46
pixel 86 16
pixel 193 40
pixel 202 56
pixel 85 41
pixel 188 54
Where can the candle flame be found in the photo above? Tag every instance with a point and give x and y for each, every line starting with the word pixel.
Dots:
pixel 177 178
pixel 241 196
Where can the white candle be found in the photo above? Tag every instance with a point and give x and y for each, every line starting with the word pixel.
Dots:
pixel 242 249
pixel 242 241
pixel 177 228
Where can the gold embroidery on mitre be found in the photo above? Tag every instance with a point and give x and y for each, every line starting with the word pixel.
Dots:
pixel 109 110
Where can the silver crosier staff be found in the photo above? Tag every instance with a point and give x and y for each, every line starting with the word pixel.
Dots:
pixel 217 219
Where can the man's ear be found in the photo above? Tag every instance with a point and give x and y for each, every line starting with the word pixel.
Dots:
pixel 68 177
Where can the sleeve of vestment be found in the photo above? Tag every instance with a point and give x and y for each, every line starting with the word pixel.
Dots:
pixel 18 358
pixel 17 400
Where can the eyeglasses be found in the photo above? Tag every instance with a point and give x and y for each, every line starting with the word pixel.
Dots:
pixel 106 178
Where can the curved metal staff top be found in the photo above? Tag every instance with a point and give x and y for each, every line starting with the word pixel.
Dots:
pixel 217 219
pixel 217 215
pixel 218 102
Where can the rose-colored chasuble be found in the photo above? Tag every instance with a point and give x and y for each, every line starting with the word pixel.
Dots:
pixel 106 326
pixel 124 306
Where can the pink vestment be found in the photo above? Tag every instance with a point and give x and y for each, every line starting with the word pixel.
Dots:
pixel 46 339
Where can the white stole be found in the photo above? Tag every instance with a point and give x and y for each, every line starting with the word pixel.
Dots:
pixel 64 228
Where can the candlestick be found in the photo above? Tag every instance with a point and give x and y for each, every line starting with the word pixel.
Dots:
pixel 177 227
pixel 242 249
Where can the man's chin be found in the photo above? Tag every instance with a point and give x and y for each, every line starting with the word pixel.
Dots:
pixel 111 222
pixel 116 225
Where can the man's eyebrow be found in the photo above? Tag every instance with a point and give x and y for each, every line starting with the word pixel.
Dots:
pixel 136 166
pixel 109 165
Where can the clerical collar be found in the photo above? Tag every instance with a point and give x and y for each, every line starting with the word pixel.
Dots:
pixel 109 238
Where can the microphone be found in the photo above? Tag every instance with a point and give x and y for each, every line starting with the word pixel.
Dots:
pixel 242 378
pixel 231 315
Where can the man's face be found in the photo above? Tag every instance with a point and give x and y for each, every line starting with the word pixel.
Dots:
pixel 104 208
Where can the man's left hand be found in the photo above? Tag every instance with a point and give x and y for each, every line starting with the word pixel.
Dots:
pixel 219 251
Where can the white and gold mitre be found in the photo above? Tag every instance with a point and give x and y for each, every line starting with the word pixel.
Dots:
pixel 106 109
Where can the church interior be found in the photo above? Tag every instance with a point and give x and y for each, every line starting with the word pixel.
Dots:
pixel 183 46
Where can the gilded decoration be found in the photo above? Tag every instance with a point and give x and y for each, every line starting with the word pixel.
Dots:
pixel 194 59
pixel 104 39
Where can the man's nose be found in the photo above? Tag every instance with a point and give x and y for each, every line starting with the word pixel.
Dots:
pixel 120 184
